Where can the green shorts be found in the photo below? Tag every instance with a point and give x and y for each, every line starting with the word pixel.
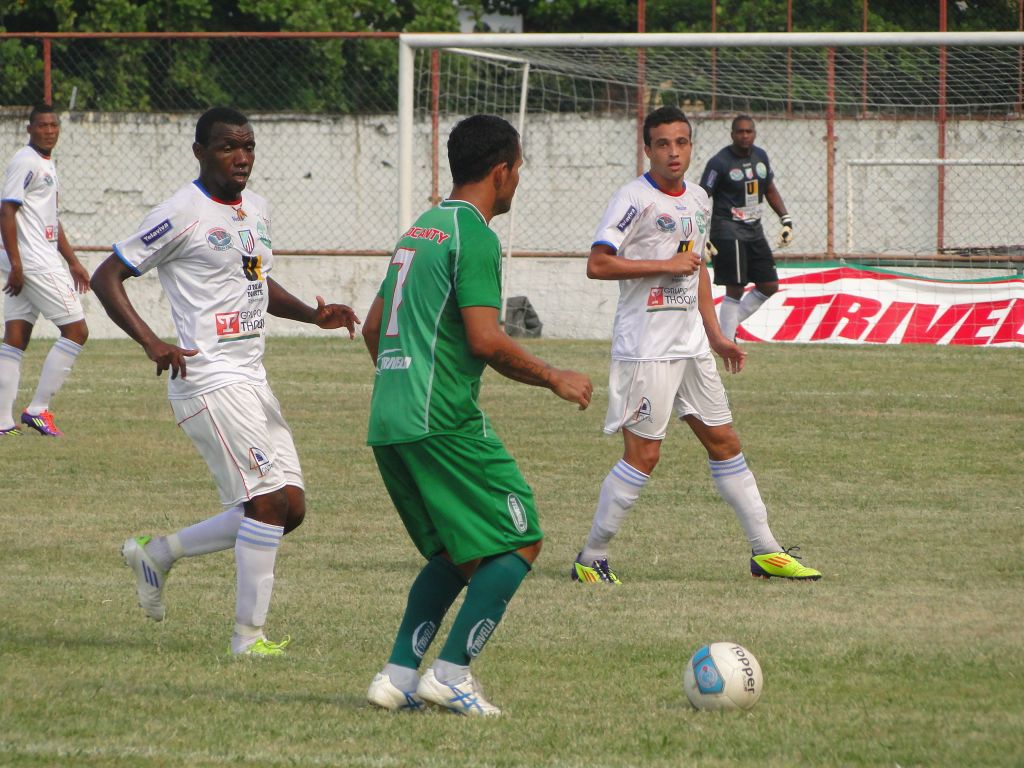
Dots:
pixel 459 495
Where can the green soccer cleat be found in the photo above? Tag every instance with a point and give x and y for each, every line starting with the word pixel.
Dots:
pixel 10 432
pixel 781 565
pixel 262 648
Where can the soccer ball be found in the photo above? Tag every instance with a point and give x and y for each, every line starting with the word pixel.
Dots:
pixel 723 676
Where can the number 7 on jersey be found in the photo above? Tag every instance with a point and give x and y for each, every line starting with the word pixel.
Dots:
pixel 402 257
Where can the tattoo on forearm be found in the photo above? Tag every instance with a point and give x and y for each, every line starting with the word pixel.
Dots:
pixel 519 368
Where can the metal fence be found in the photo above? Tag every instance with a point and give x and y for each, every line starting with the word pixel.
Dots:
pixel 324 109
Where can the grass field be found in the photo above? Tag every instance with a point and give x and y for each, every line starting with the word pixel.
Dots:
pixel 897 470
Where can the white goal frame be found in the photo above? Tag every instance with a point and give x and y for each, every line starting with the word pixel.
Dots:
pixel 863 162
pixel 408 43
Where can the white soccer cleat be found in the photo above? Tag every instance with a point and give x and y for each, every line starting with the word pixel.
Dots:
pixel 386 695
pixel 149 580
pixel 464 698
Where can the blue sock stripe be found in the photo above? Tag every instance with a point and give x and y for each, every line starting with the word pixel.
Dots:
pixel 11 353
pixel 260 534
pixel 67 346
pixel 628 474
pixel 734 466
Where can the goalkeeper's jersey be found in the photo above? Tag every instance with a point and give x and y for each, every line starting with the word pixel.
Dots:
pixel 737 185
pixel 427 380
pixel 213 258
pixel 657 317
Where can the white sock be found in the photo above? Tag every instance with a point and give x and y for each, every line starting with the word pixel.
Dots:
pixel 255 552
pixel 403 678
pixel 736 484
pixel 619 492
pixel 56 367
pixel 10 374
pixel 750 303
pixel 448 673
pixel 214 534
pixel 728 316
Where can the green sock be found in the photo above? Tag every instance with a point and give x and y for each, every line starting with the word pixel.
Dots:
pixel 430 597
pixel 490 589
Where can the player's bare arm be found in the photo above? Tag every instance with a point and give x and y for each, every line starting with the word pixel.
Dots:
pixel 371 328
pixel 488 341
pixel 327 316
pixel 731 354
pixel 604 263
pixel 108 285
pixel 79 274
pixel 9 233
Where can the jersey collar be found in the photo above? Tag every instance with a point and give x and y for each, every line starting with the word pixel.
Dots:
pixel 201 188
pixel 653 183
pixel 448 203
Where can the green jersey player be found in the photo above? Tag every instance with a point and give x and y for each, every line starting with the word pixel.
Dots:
pixel 431 330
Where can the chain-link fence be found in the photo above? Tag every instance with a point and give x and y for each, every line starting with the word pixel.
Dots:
pixel 888 152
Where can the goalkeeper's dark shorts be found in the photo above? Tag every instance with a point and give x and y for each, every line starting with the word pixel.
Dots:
pixel 743 261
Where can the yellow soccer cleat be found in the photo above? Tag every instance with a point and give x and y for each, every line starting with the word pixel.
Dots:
pixel 781 565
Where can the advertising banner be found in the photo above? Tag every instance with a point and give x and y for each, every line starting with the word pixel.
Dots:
pixel 852 304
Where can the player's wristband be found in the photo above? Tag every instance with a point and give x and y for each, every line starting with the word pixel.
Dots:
pixel 786 220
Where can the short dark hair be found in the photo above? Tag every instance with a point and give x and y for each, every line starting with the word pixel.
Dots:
pixel 664 116
pixel 226 115
pixel 40 109
pixel 740 119
pixel 477 144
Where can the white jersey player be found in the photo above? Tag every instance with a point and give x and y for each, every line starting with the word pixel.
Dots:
pixel 32 258
pixel 651 239
pixel 210 244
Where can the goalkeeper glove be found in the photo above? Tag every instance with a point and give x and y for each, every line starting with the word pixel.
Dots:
pixel 709 250
pixel 786 235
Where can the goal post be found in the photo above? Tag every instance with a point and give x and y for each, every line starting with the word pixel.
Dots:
pixel 941 113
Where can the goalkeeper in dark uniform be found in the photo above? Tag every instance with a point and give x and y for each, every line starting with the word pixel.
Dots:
pixel 739 178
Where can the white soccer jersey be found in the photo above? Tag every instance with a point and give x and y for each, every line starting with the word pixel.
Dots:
pixel 657 317
pixel 31 181
pixel 213 259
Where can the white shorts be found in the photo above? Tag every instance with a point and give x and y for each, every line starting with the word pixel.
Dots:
pixel 51 294
pixel 247 445
pixel 642 395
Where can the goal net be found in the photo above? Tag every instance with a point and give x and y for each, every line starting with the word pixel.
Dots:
pixel 894 152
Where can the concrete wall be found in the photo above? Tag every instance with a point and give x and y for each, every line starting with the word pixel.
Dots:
pixel 333 184
pixel 333 181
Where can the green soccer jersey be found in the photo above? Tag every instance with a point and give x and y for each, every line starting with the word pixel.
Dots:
pixel 427 380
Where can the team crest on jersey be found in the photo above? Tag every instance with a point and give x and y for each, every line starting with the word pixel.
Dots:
pixel 218 239
pixel 51 232
pixel 686 226
pixel 736 174
pixel 259 461
pixel 749 172
pixel 48 180
pixel 248 241
pixel 762 170
pixel 665 223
